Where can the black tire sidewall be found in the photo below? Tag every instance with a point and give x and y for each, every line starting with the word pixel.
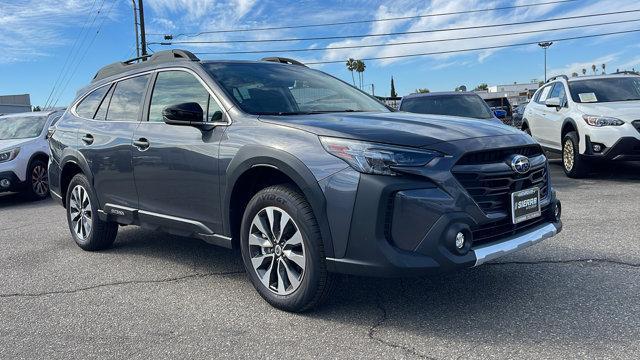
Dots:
pixel 82 181
pixel 314 259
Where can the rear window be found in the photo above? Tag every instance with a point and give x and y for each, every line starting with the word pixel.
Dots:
pixel 470 106
pixel 89 105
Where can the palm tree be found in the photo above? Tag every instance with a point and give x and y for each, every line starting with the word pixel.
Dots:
pixel 351 65
pixel 584 71
pixel 360 68
pixel 575 74
pixel 593 67
pixel 604 66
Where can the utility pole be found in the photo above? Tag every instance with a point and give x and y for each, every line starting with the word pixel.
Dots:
pixel 545 45
pixel 135 26
pixel 143 36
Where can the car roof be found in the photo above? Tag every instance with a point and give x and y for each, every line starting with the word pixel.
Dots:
pixel 439 93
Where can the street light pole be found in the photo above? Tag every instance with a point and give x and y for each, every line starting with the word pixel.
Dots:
pixel 143 35
pixel 135 24
pixel 545 45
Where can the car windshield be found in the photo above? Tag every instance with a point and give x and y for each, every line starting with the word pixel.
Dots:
pixel 605 90
pixel 463 105
pixel 276 89
pixel 500 102
pixel 12 127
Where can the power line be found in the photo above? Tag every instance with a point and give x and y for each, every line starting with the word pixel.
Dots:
pixel 415 42
pixel 477 48
pixel 370 21
pixel 73 73
pixel 66 61
pixel 395 33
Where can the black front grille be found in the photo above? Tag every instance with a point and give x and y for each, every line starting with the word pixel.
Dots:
pixel 500 229
pixel 492 191
pixel 498 155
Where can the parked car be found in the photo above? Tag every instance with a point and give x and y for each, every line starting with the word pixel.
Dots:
pixel 24 152
pixel 461 104
pixel 501 103
pixel 518 115
pixel 586 119
pixel 307 175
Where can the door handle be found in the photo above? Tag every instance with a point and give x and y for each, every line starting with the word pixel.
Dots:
pixel 142 144
pixel 88 139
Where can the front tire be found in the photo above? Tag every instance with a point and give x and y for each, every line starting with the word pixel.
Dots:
pixel 38 180
pixel 282 250
pixel 87 230
pixel 573 164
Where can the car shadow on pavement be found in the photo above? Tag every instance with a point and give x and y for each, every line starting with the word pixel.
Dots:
pixel 17 199
pixel 623 172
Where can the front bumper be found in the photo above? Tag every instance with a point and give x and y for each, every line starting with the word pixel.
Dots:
pixel 15 183
pixel 407 227
pixel 625 149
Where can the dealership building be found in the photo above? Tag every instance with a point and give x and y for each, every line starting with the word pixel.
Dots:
pixel 11 104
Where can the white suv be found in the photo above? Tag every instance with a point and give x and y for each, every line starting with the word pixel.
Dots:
pixel 24 152
pixel 587 118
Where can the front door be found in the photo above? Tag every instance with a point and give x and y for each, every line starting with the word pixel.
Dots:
pixel 176 167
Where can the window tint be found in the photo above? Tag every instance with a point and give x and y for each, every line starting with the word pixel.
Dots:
pixel 605 90
pixel 179 87
pixel 127 99
pixel 471 106
pixel 101 114
pixel 87 107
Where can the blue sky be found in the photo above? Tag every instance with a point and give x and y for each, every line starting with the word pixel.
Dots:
pixel 38 35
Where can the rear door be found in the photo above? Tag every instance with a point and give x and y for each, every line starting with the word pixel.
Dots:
pixel 176 167
pixel 105 140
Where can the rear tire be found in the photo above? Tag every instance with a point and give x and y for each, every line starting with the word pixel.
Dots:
pixel 282 250
pixel 37 180
pixel 573 164
pixel 87 230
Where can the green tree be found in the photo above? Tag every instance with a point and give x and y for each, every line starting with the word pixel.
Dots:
pixel 462 88
pixel 37 108
pixel 351 66
pixel 482 86
pixel 360 68
pixel 584 71
pixel 423 91
pixel 593 68
pixel 575 74
pixel 393 89
pixel 604 66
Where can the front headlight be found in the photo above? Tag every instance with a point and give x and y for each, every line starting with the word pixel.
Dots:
pixel 9 155
pixel 600 121
pixel 378 159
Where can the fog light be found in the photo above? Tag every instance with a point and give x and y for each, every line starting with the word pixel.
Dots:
pixel 597 147
pixel 460 240
pixel 5 183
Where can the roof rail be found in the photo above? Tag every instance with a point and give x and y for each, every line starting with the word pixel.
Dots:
pixel 558 76
pixel 626 72
pixel 283 60
pixel 159 57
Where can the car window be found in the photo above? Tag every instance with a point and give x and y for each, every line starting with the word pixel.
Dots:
pixel 605 89
pixel 101 114
pixel 127 98
pixel 179 87
pixel 463 105
pixel 88 106
pixel 558 91
pixel 544 94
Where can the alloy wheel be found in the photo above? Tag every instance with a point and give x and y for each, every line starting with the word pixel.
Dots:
pixel 568 154
pixel 80 211
pixel 40 181
pixel 277 250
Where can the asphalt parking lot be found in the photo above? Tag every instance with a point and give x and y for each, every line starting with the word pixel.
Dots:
pixel 160 296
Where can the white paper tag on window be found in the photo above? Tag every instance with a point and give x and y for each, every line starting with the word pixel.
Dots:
pixel 587 97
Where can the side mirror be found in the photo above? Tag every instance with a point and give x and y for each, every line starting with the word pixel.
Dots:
pixel 185 114
pixel 553 102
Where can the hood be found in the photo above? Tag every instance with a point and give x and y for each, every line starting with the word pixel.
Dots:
pixel 399 128
pixel 624 110
pixel 12 143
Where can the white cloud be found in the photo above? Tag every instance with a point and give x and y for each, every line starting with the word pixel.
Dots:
pixel 32 28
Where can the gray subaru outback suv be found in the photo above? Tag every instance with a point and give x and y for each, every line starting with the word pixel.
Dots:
pixel 303 173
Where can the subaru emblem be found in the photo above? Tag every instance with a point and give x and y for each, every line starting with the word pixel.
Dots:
pixel 520 164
